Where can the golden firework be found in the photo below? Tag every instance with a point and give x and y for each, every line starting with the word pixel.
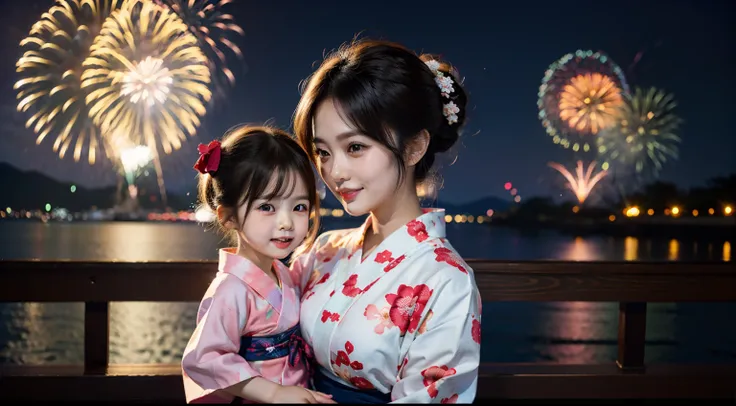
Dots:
pixel 589 103
pixel 49 88
pixel 146 78
pixel 583 182
pixel 213 27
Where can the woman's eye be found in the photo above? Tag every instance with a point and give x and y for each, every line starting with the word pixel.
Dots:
pixel 321 153
pixel 353 148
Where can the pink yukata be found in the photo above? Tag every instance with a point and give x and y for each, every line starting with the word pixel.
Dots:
pixel 405 321
pixel 242 301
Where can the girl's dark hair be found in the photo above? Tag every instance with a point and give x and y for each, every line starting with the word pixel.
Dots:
pixel 382 89
pixel 250 156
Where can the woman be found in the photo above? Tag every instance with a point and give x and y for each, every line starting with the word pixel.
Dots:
pixel 390 308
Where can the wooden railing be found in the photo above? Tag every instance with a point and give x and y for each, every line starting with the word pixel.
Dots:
pixel 630 284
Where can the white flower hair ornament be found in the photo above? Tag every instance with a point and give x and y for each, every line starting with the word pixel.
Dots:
pixel 445 83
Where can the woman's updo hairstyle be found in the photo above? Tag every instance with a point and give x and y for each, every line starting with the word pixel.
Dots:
pixel 383 89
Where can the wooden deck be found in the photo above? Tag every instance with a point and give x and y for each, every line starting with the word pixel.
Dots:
pixel 632 285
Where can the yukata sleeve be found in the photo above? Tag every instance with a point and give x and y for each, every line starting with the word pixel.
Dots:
pixel 441 363
pixel 301 269
pixel 302 266
pixel 211 361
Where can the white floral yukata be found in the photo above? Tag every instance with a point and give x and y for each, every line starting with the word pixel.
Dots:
pixel 404 321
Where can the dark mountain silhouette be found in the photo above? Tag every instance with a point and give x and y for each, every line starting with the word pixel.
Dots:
pixel 32 190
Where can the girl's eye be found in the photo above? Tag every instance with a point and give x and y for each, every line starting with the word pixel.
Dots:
pixel 266 207
pixel 354 148
pixel 301 207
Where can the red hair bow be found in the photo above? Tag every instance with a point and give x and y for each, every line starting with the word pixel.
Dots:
pixel 209 157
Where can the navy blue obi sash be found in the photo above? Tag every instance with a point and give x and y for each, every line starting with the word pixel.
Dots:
pixel 289 343
pixel 345 394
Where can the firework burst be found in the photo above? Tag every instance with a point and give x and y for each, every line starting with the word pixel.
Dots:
pixel 214 28
pixel 578 96
pixel 590 102
pixel 583 182
pixel 49 89
pixel 146 78
pixel 645 135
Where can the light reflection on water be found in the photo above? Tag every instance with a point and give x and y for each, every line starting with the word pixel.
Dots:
pixel 160 242
pixel 578 330
pixel 35 333
pixel 143 332
pixel 726 251
pixel 570 332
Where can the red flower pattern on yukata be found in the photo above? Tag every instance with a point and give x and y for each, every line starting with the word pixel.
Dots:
pixel 348 287
pixel 393 263
pixel 407 305
pixel 314 280
pixel 451 399
pixel 387 256
pixel 417 229
pixel 383 256
pixel 432 375
pixel 382 315
pixel 370 285
pixel 444 254
pixel 342 362
pixel 475 330
pixel 328 315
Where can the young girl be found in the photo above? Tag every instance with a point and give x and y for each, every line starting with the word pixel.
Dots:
pixel 247 342
pixel 391 308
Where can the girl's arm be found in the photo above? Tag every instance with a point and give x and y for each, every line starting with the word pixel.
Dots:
pixel 211 362
pixel 256 389
pixel 261 390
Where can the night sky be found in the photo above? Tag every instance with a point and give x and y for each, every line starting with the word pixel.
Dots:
pixel 684 47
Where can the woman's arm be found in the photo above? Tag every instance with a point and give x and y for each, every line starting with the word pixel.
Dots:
pixel 441 364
